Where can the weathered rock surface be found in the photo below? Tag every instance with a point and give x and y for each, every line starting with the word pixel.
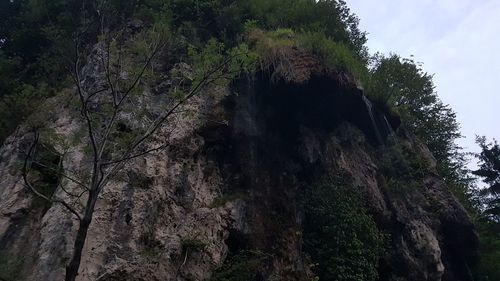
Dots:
pixel 262 139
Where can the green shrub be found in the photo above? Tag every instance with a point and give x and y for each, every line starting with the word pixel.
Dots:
pixel 219 64
pixel 46 173
pixel 341 238
pixel 403 169
pixel 265 43
pixel 349 134
pixel 333 53
pixel 10 267
pixel 221 201
pixel 333 18
pixel 17 105
pixel 399 162
pixel 151 247
pixel 244 266
pixel 489 249
pixel 139 180
pixel 270 45
pixel 192 244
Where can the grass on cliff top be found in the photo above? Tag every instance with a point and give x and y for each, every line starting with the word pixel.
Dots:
pixel 269 46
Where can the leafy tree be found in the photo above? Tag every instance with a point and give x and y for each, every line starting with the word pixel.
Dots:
pixel 31 67
pixel 489 171
pixel 488 223
pixel 243 266
pixel 402 85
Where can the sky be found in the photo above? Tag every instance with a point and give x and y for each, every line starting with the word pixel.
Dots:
pixel 457 40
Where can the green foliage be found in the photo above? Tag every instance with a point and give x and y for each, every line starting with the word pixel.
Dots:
pixel 283 33
pixel 192 244
pixel 488 222
pixel 199 19
pixel 30 55
pixel 333 18
pixel 271 47
pixel 346 133
pixel 403 169
pixel 244 266
pixel 334 53
pixel 339 235
pixel 37 37
pixel 221 201
pixel 400 162
pixel 151 246
pixel 489 248
pixel 215 64
pixel 266 42
pixel 489 171
pixel 404 86
pixel 10 266
pixel 15 107
pixel 46 169
pixel 138 180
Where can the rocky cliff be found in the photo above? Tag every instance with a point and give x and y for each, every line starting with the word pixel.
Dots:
pixel 226 196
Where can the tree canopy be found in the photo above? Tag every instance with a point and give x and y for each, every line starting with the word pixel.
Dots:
pixel 402 85
pixel 36 36
pixel 489 172
pixel 489 209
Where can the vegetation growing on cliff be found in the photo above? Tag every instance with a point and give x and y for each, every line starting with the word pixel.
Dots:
pixel 489 209
pixel 401 84
pixel 243 266
pixel 342 239
pixel 11 266
pixel 489 171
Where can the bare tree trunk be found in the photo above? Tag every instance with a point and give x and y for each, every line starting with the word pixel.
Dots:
pixel 74 265
pixel 81 236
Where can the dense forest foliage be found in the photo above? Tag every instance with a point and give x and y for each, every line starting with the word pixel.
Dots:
pixel 38 40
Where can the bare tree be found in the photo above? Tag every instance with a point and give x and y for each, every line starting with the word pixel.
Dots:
pixel 109 100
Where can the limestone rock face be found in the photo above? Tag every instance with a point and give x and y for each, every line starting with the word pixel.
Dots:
pixel 142 220
pixel 230 179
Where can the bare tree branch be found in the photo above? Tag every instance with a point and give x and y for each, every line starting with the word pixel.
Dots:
pixel 59 173
pixel 205 80
pixel 26 168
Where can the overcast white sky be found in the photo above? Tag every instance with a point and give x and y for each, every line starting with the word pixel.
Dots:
pixel 457 40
